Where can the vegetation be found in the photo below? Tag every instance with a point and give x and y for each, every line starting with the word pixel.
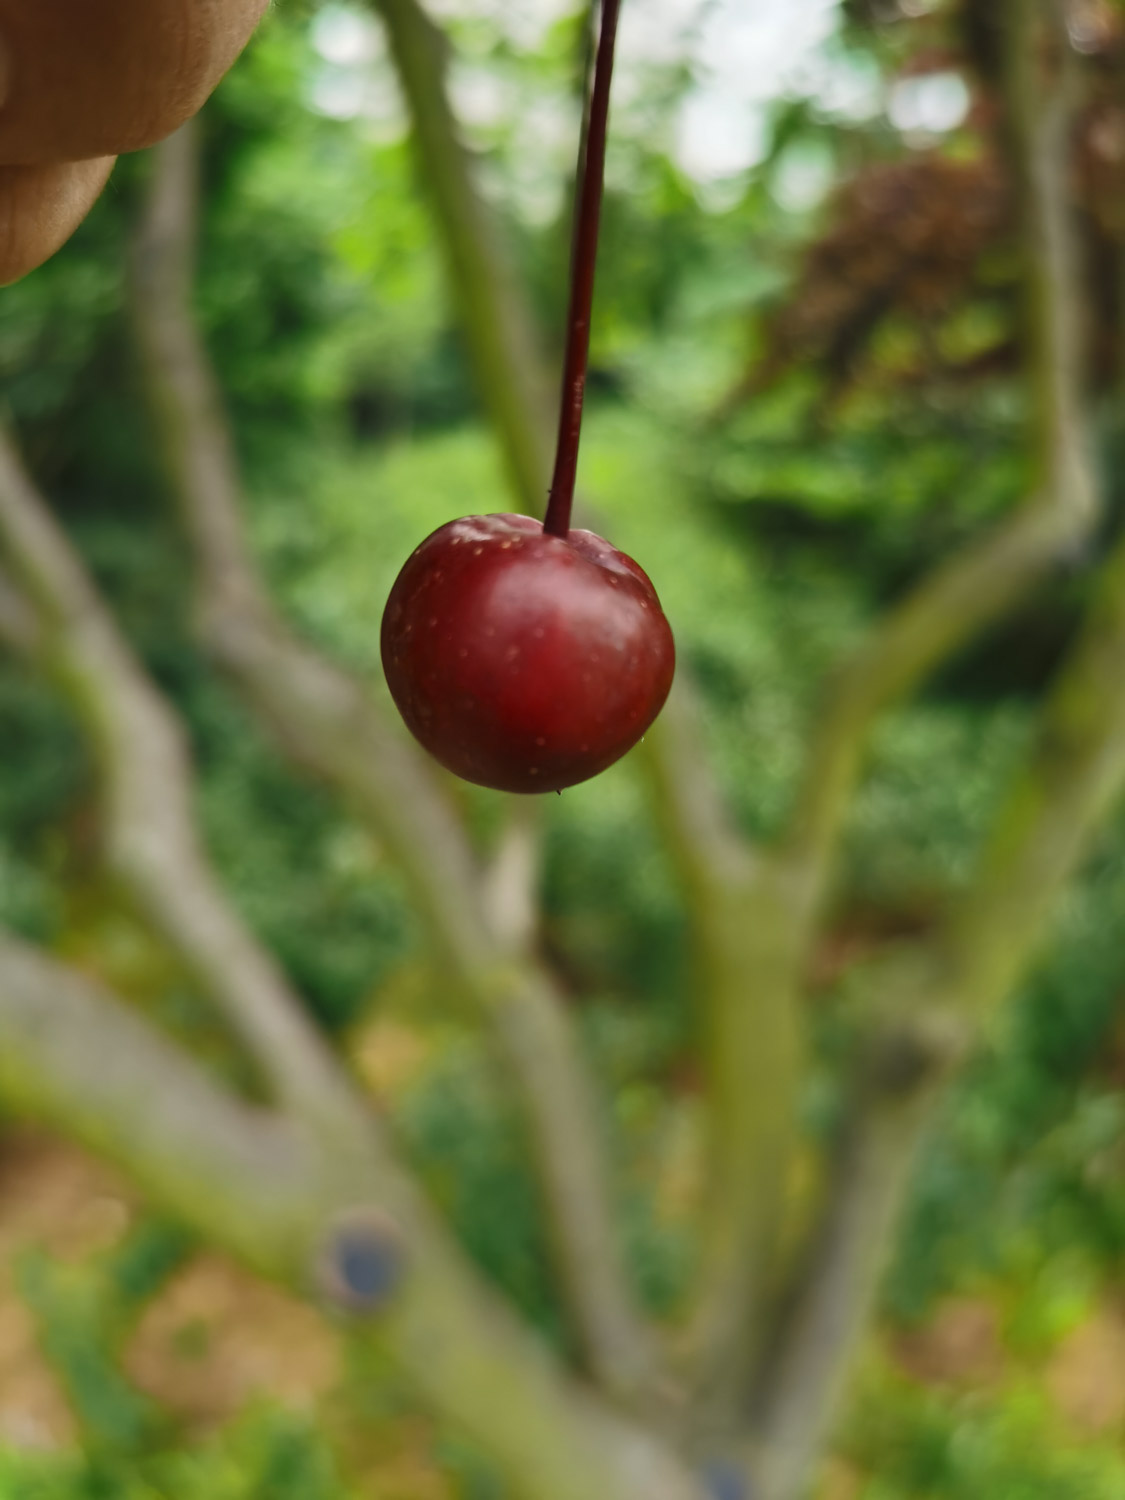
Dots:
pixel 735 1072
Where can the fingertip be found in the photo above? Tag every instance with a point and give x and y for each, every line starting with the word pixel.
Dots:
pixel 41 207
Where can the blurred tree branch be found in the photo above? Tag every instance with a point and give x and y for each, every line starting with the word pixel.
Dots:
pixel 500 333
pixel 305 1210
pixel 946 611
pixel 324 716
pixel 1067 790
pixel 745 978
pixel 941 992
pixel 1043 103
pixel 331 724
pixel 1074 777
pixel 749 1022
pixel 75 1057
pixel 265 1186
pixel 17 619
pixel 803 1373
pixel 146 777
pixel 975 588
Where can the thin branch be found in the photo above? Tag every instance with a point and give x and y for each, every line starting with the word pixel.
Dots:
pixel 752 928
pixel 744 967
pixel 18 627
pixel 306 1212
pixel 1075 775
pixel 1071 784
pixel 1043 88
pixel 77 1058
pixel 754 1056
pixel 1073 780
pixel 511 881
pixel 709 852
pixel 328 721
pixel 976 588
pixel 499 330
pixel 147 780
pixel 872 1172
pixel 324 716
pixel 584 259
pixel 804 1375
pixel 949 608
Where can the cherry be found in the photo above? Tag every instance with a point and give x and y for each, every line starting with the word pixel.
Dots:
pixel 529 657
pixel 521 660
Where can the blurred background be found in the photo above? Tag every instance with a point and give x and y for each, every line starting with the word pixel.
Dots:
pixel 806 387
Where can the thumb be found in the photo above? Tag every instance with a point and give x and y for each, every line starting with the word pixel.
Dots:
pixel 84 78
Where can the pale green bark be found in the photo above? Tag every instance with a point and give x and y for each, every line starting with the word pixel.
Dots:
pixel 499 333
pixel 330 723
pixel 147 791
pixel 273 1193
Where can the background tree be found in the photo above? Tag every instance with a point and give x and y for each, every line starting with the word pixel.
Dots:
pixel 823 971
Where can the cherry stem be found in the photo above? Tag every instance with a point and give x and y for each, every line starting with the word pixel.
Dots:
pixel 591 178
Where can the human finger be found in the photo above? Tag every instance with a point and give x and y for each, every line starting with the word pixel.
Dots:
pixel 40 208
pixel 88 78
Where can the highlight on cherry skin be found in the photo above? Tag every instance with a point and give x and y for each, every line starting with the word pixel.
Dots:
pixel 524 661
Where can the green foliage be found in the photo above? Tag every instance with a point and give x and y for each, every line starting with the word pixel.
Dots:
pixel 937 771
pixel 884 463
pixel 131 1449
pixel 84 1314
pixel 1025 1180
pixel 914 1442
pixel 321 289
pixel 468 1146
pixel 310 882
pixel 266 1455
pixel 44 778
pixel 470 1154
pixel 73 1335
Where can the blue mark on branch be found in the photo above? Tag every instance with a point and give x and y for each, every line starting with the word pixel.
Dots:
pixel 361 1263
pixel 723 1481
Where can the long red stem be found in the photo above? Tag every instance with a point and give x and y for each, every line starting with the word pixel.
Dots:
pixel 591 178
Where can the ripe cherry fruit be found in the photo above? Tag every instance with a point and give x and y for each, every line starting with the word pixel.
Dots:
pixel 529 657
pixel 521 660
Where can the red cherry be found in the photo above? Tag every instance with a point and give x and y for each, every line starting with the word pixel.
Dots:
pixel 525 661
